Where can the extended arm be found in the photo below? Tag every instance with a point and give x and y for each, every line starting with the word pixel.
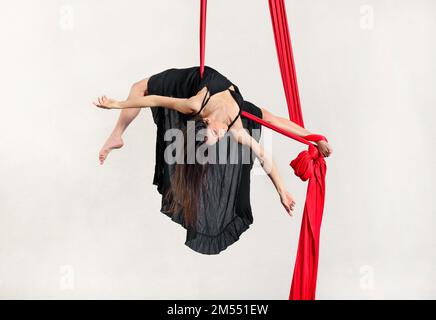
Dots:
pixel 179 104
pixel 269 167
pixel 294 128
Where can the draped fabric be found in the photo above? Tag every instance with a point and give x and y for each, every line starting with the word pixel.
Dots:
pixel 308 166
pixel 224 211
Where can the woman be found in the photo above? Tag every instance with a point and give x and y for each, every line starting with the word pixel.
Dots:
pixel 211 200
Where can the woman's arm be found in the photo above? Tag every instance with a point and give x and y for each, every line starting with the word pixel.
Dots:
pixel 284 124
pixel 179 104
pixel 288 125
pixel 269 167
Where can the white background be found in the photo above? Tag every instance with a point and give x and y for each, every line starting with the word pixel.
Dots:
pixel 70 228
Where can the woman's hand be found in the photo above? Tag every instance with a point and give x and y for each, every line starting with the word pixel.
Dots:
pixel 107 103
pixel 325 149
pixel 288 202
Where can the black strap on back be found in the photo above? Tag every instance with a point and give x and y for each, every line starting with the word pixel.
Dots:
pixel 204 102
pixel 239 113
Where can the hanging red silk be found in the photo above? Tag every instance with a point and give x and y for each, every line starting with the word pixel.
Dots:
pixel 203 11
pixel 286 59
pixel 309 164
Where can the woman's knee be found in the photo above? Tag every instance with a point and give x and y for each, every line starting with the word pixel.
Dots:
pixel 140 87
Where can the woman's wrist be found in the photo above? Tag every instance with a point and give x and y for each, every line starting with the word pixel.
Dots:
pixel 121 104
pixel 280 190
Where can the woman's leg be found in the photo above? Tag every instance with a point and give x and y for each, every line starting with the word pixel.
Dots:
pixel 115 140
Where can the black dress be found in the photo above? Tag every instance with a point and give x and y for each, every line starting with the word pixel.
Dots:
pixel 224 211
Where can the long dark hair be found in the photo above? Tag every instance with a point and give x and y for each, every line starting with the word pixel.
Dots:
pixel 187 180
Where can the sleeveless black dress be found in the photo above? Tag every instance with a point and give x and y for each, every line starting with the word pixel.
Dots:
pixel 224 212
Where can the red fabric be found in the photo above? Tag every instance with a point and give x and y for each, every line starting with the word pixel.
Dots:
pixel 203 11
pixel 309 165
pixel 286 59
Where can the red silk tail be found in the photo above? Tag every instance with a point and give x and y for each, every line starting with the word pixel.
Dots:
pixel 309 165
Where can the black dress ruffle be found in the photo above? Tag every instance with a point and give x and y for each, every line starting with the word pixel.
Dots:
pixel 224 208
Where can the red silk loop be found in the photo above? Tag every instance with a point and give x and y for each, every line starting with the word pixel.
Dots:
pixel 315 138
pixel 305 162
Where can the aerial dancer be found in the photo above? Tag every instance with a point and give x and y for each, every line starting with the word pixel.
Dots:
pixel 211 200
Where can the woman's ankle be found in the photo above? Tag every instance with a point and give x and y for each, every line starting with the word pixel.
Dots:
pixel 117 133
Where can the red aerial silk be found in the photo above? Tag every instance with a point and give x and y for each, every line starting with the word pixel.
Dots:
pixel 203 11
pixel 308 166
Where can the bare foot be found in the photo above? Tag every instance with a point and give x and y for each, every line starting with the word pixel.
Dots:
pixel 113 142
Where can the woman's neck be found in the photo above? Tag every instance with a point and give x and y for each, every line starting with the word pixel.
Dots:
pixel 221 107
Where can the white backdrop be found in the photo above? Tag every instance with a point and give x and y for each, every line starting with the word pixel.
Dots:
pixel 70 228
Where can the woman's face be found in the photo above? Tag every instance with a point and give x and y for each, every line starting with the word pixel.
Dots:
pixel 215 131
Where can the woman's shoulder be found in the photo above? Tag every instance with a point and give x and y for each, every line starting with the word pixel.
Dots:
pixel 214 80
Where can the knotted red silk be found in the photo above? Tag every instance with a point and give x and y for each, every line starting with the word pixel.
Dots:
pixel 308 166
